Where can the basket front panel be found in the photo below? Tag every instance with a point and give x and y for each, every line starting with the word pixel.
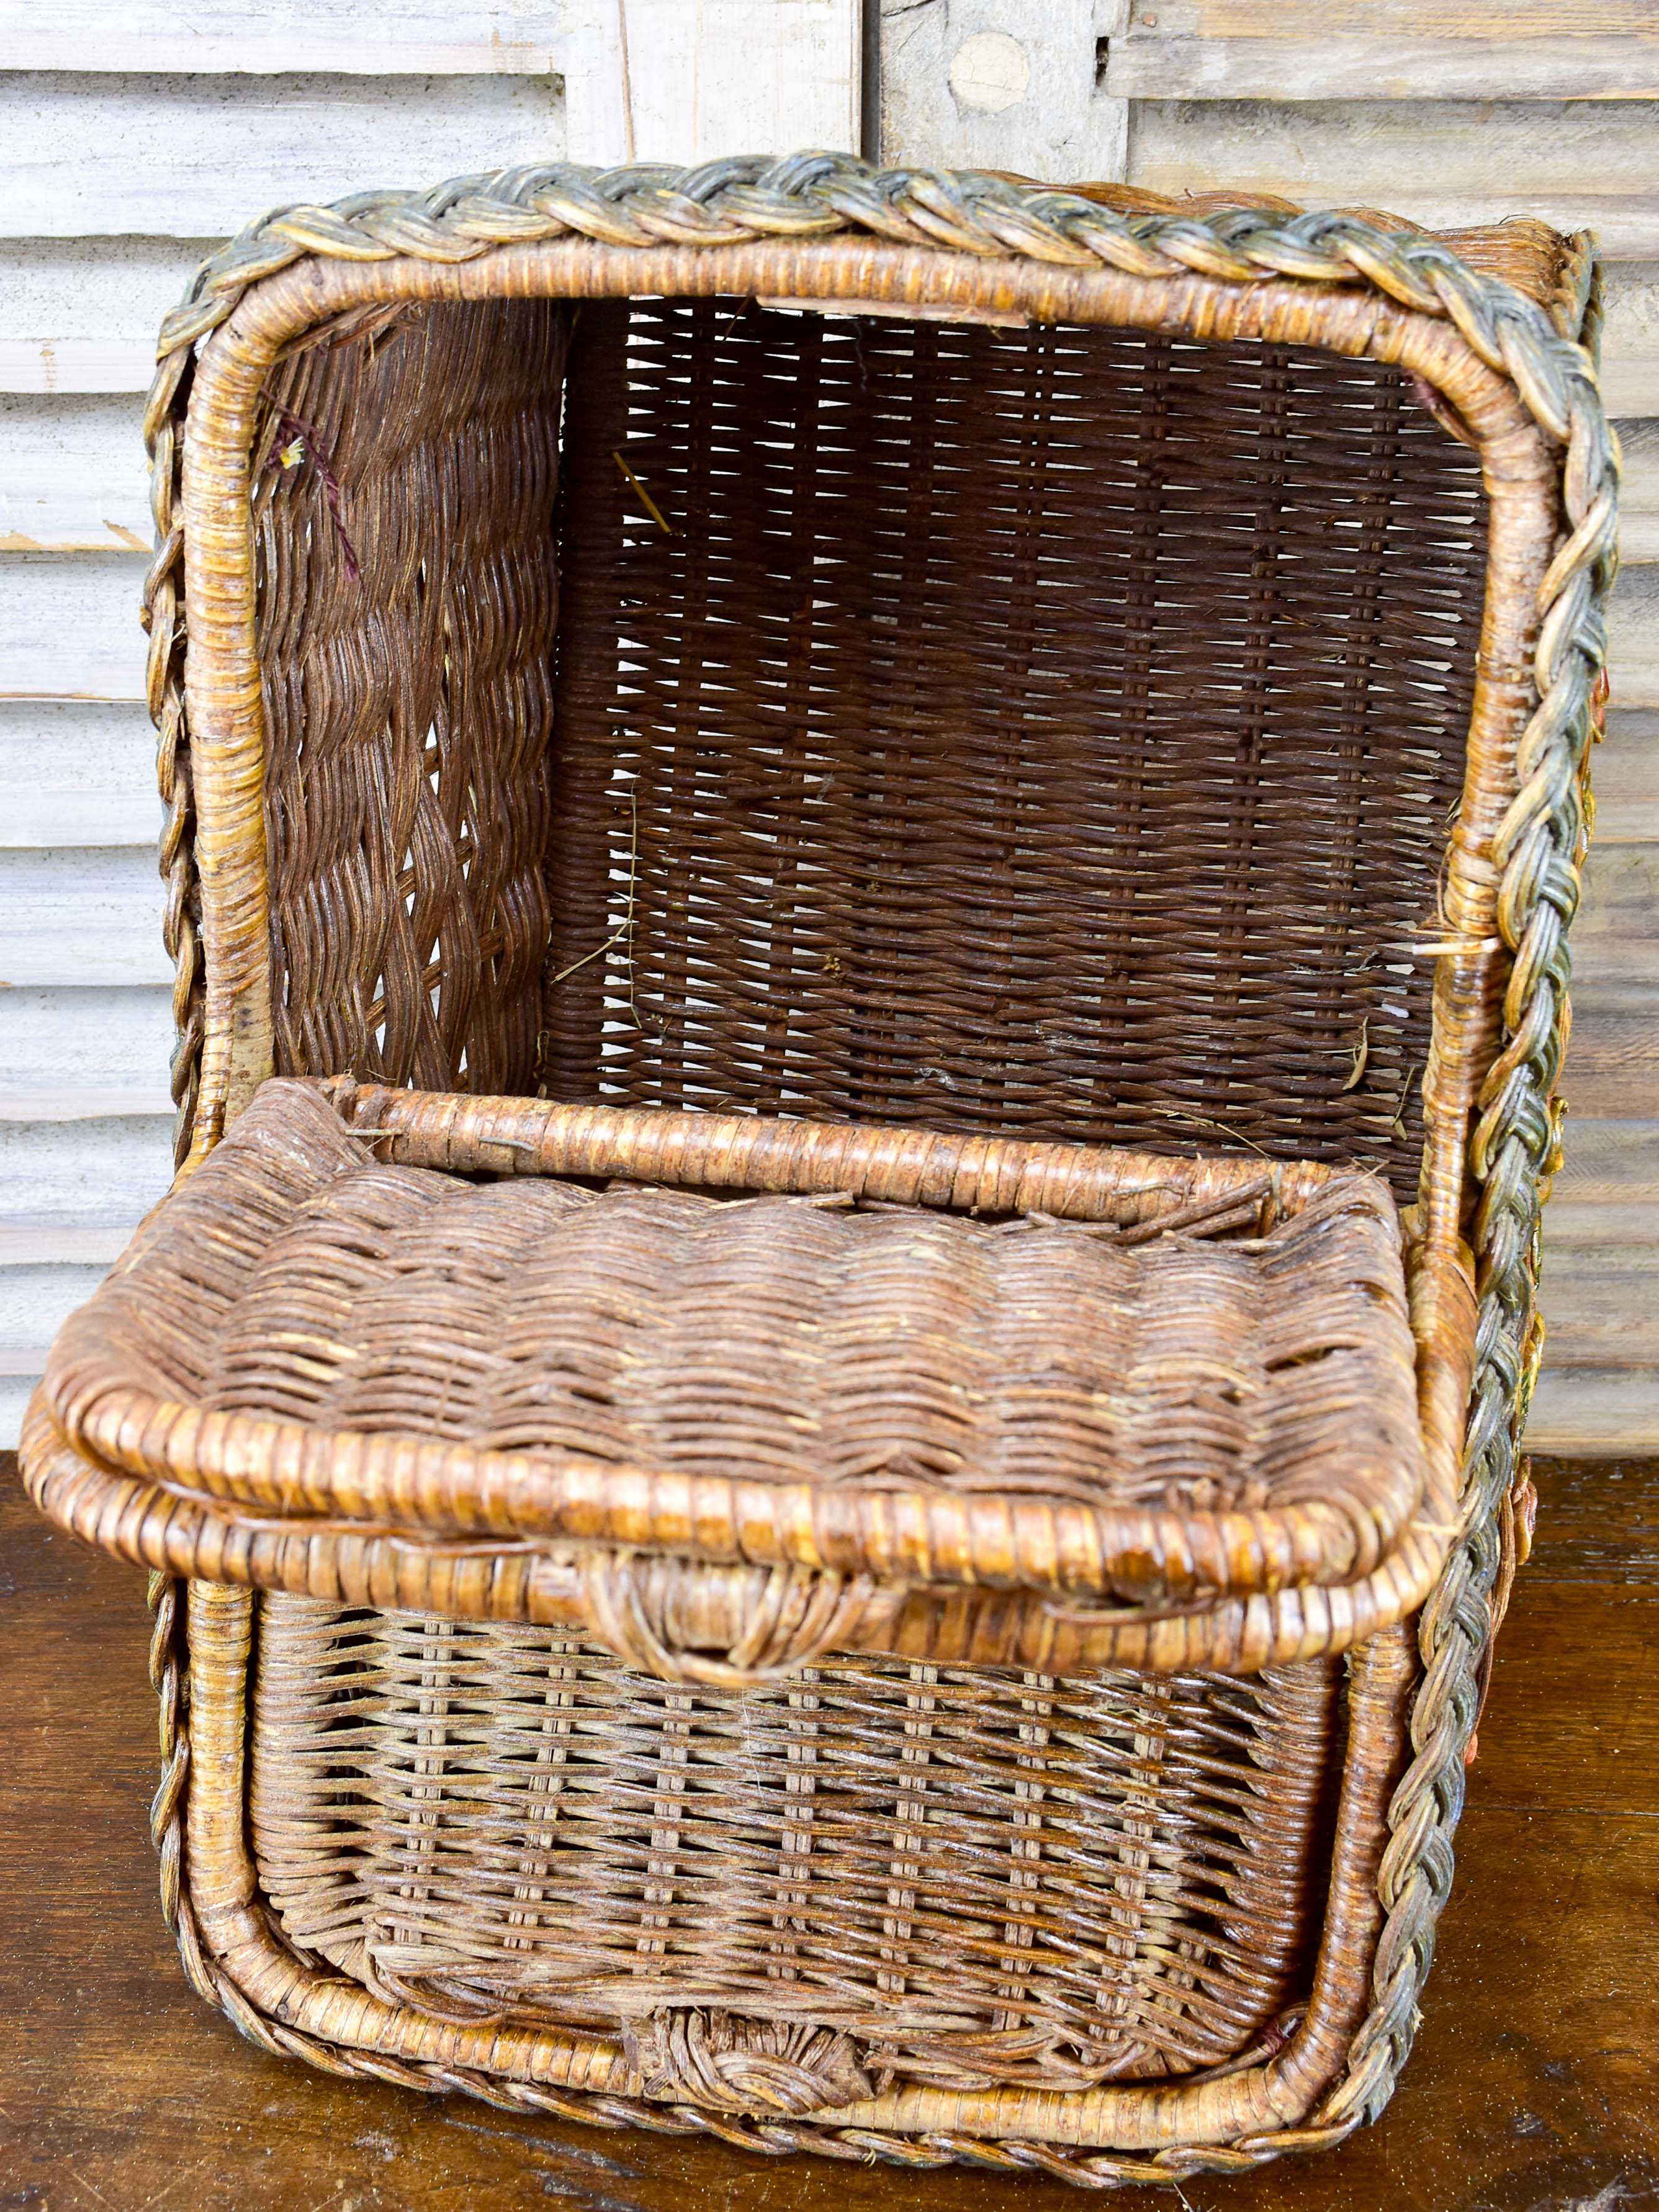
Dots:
pixel 406 604
pixel 981 1876
pixel 1052 730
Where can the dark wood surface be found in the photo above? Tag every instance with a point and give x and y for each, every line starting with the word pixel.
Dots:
pixel 1535 2086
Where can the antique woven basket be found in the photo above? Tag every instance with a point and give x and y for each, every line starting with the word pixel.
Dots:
pixel 870 874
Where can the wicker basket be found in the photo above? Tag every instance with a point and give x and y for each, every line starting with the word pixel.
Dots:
pixel 917 836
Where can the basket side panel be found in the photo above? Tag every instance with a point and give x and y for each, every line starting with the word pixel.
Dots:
pixel 407 601
pixel 981 1876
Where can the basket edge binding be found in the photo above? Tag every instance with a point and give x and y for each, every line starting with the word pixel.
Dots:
pixel 1540 847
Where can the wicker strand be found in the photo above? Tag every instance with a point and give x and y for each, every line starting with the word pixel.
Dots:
pixel 164 684
pixel 1540 848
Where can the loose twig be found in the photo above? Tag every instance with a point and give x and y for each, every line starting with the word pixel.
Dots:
pixel 1362 1053
pixel 623 933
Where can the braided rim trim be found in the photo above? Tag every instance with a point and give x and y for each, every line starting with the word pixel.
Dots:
pixel 1539 849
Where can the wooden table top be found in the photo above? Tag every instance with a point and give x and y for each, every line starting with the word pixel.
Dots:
pixel 1535 2086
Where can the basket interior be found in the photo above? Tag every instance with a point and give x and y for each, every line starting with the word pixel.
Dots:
pixel 694 703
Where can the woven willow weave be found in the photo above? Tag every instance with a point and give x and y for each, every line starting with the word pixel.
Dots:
pixel 738 854
pixel 937 791
pixel 424 823
pixel 622 1848
pixel 1195 1396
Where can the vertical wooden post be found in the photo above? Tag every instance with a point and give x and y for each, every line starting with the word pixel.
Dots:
pixel 1004 84
pixel 661 81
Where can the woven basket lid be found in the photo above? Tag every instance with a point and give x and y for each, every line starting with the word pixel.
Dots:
pixel 1205 1393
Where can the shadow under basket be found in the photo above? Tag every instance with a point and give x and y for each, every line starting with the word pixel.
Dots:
pixel 870 877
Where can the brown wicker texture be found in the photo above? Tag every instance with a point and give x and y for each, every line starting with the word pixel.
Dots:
pixel 407 675
pixel 1162 1409
pixel 1048 730
pixel 722 582
pixel 674 2067
pixel 1132 1861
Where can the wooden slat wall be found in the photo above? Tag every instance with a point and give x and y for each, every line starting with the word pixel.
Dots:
pixel 133 139
pixel 1445 111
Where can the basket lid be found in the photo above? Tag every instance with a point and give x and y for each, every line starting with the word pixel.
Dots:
pixel 780 1385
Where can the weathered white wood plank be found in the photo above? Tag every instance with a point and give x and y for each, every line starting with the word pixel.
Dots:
pixel 1612 1160
pixel 1633 636
pixel 1148 66
pixel 24 1362
pixel 77 775
pixel 1639 494
pixel 1601 1306
pixel 1600 1290
pixel 15 1393
pixel 73 475
pixel 74 1191
pixel 80 918
pixel 69 627
pixel 82 1105
pixel 405 37
pixel 196 157
pixel 36 1301
pixel 1589 1228
pixel 1002 84
pixel 113 1170
pixel 1624 775
pixel 58 1240
pixel 661 81
pixel 85 1038
pixel 1615 937
pixel 1443 163
pixel 192 157
pixel 1616 934
pixel 82 314
pixel 1613 1063
pixel 1629 340
pixel 1386 50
